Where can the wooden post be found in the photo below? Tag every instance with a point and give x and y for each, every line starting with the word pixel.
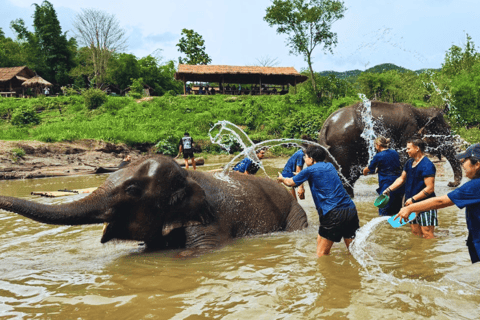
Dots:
pixel 295 85
pixel 260 89
pixel 184 86
pixel 223 85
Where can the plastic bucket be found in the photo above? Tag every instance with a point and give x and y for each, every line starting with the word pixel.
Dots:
pixel 381 201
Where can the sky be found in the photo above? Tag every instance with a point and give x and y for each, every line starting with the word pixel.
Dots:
pixel 413 34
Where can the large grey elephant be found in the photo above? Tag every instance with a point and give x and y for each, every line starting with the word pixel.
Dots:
pixel 341 134
pixel 158 202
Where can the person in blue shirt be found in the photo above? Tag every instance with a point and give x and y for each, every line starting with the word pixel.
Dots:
pixel 466 196
pixel 295 165
pixel 419 178
pixel 247 165
pixel 337 212
pixel 387 164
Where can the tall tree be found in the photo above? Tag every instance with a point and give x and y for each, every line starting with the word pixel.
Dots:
pixel 49 51
pixel 307 24
pixel 193 46
pixel 102 34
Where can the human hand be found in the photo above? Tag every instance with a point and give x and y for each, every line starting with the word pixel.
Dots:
pixel 280 178
pixel 387 191
pixel 365 171
pixel 301 193
pixel 403 214
pixel 408 202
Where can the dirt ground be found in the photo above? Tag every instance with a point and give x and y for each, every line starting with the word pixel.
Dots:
pixel 60 159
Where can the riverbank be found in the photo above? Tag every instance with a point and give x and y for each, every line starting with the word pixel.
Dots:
pixel 34 159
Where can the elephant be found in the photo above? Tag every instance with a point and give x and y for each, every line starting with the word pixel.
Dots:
pixel 341 135
pixel 157 202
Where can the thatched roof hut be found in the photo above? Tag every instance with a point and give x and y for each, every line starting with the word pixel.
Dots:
pixel 11 80
pixel 239 75
pixel 37 83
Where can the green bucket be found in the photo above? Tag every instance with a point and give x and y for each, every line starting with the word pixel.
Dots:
pixel 381 201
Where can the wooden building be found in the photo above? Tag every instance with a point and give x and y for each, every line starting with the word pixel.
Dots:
pixel 11 80
pixel 226 75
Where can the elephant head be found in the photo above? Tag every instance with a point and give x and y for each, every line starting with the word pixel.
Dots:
pixel 150 201
pixel 436 132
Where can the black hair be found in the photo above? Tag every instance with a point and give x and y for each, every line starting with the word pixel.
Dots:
pixel 418 142
pixel 474 161
pixel 186 134
pixel 317 153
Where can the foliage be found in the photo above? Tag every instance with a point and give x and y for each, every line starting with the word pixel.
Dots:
pixel 458 60
pixel 167 146
pixel 94 98
pixel 25 116
pixel 307 24
pixel 136 88
pixel 193 46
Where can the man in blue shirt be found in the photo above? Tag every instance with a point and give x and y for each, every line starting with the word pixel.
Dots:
pixel 247 166
pixel 467 196
pixel 295 165
pixel 337 212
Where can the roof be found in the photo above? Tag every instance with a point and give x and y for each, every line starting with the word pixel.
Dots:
pixel 237 74
pixel 7 74
pixel 37 80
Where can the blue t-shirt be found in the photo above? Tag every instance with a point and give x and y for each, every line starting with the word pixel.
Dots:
pixel 292 163
pixel 248 165
pixel 415 177
pixel 389 168
pixel 468 196
pixel 327 189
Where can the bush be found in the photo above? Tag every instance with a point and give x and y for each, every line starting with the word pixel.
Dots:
pixel 94 98
pixel 166 146
pixel 25 116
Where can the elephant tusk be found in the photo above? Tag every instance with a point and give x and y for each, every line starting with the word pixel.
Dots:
pixel 105 225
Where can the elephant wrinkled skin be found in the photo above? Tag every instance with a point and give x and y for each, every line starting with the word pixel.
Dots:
pixel 341 134
pixel 158 202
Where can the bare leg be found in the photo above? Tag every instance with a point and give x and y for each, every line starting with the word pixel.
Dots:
pixel 416 229
pixel 194 164
pixel 428 232
pixel 348 242
pixel 323 246
pixel 186 164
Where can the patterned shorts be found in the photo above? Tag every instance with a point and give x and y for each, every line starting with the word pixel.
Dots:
pixel 426 219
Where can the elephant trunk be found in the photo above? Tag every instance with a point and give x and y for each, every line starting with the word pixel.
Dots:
pixel 89 210
pixel 456 167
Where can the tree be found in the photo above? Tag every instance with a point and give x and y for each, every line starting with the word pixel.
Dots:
pixel 307 24
pixel 102 34
pixel 124 68
pixel 458 60
pixel 193 46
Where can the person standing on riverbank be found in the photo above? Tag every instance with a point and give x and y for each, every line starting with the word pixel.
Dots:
pixel 387 164
pixel 293 166
pixel 186 146
pixel 419 178
pixel 467 196
pixel 337 212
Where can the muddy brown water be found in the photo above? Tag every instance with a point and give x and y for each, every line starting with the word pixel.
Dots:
pixel 63 272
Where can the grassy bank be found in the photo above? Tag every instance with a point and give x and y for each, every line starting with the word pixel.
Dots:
pixel 123 119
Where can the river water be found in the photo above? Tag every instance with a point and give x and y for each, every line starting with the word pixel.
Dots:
pixel 64 272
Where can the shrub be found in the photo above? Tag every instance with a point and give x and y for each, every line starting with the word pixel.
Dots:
pixel 24 116
pixel 94 98
pixel 166 146
pixel 17 153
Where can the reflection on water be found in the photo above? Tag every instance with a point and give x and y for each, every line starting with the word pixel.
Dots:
pixel 60 272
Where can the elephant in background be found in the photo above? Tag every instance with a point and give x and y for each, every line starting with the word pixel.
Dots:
pixel 341 135
pixel 165 206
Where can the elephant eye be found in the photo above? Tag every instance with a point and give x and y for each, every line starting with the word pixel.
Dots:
pixel 133 190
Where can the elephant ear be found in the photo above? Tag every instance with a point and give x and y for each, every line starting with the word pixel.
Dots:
pixel 189 208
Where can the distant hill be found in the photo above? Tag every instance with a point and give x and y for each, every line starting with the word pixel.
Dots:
pixel 376 69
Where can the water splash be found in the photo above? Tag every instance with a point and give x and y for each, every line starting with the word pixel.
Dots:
pixel 226 128
pixel 368 133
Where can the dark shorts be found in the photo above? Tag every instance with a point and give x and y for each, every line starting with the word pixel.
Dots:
pixel 187 153
pixel 338 224
pixel 426 218
pixel 472 250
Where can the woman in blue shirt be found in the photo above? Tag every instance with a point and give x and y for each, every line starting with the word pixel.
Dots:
pixel 387 164
pixel 467 196
pixel 419 178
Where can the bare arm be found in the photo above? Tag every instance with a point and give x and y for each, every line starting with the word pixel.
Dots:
pixel 286 181
pixel 429 204
pixel 366 171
